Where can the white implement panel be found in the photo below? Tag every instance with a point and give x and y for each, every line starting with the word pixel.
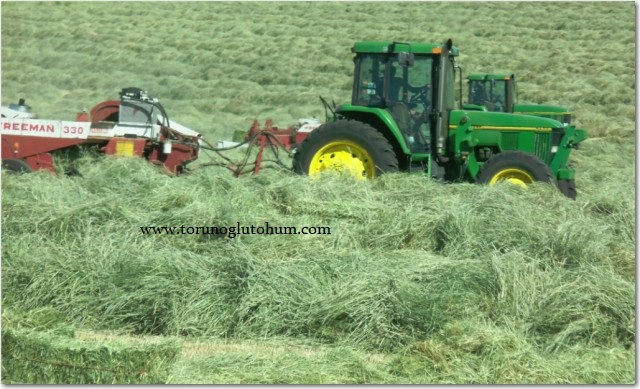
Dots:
pixel 45 128
pixel 142 131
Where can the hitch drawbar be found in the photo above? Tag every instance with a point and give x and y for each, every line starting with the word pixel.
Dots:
pixel 269 136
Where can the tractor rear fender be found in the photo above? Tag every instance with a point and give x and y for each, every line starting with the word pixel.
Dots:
pixel 382 121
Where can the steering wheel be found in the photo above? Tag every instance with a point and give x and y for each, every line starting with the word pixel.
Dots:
pixel 421 97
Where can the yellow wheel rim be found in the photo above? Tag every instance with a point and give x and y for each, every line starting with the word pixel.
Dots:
pixel 513 176
pixel 343 156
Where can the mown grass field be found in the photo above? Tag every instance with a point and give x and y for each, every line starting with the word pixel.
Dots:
pixel 419 282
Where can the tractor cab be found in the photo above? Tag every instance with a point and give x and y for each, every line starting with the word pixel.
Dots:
pixel 491 92
pixel 402 78
pixel 498 93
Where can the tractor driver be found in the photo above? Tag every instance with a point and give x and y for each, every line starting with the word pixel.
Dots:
pixel 407 118
pixel 395 87
pixel 497 98
pixel 478 94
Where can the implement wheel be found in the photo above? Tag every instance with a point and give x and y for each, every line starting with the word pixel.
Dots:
pixel 348 146
pixel 515 167
pixel 16 166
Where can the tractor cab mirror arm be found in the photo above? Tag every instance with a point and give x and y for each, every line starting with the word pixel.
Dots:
pixel 406 59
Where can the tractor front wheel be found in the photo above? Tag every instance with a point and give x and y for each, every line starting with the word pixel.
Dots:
pixel 515 167
pixel 348 146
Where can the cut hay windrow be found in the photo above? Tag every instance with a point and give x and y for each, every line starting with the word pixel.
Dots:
pixel 39 355
pixel 405 256
pixel 41 358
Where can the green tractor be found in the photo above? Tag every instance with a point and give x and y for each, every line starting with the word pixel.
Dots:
pixel 403 117
pixel 498 93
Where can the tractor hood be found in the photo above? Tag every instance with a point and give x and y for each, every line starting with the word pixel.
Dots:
pixel 557 112
pixel 501 120
pixel 540 109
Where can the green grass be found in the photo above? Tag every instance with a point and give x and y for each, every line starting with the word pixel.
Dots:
pixel 419 282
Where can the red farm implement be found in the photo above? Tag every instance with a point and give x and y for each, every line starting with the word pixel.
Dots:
pixel 135 125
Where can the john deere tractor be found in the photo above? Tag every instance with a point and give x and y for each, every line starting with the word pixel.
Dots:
pixel 498 93
pixel 403 117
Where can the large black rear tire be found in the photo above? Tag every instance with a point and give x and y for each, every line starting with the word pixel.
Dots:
pixel 345 145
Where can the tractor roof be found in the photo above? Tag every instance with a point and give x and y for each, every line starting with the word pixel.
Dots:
pixel 489 76
pixel 397 47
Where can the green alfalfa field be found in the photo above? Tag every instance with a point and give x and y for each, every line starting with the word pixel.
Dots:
pixel 418 282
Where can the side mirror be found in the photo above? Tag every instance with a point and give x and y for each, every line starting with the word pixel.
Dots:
pixel 405 59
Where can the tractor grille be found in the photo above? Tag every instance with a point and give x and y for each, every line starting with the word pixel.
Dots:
pixel 543 147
